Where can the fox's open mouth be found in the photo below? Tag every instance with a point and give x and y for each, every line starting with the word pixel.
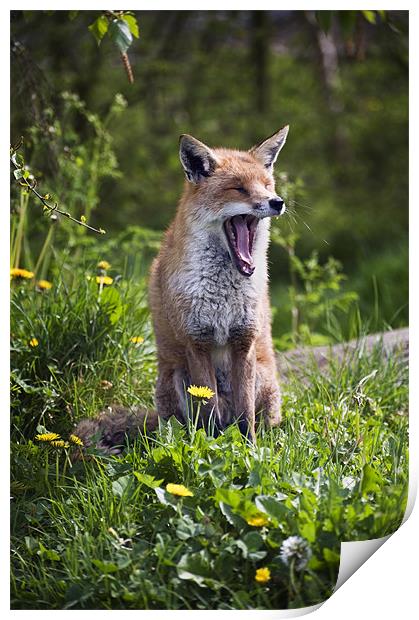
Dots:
pixel 240 232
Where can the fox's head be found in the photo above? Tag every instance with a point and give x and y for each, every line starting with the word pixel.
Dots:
pixel 230 192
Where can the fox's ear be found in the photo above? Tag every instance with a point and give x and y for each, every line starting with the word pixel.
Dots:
pixel 268 150
pixel 197 159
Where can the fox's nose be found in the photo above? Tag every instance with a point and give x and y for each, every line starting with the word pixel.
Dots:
pixel 277 204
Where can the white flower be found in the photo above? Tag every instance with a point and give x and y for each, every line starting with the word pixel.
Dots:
pixel 297 549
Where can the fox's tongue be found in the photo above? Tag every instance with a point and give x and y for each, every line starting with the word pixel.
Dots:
pixel 242 238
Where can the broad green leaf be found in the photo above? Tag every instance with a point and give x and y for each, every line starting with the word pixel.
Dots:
pixel 122 485
pixel 18 174
pixel 231 517
pixel 196 567
pixel 308 531
pixel 147 480
pixel 120 34
pixel 99 28
pixel 370 480
pixel 133 24
pixel 272 507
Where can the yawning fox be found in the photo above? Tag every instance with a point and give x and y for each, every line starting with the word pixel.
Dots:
pixel 209 296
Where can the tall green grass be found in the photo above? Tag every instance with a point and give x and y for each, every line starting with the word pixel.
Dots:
pixel 104 533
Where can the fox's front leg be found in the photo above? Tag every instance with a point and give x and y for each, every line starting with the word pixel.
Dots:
pixel 201 373
pixel 243 380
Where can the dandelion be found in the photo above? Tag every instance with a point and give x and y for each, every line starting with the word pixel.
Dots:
pixel 103 264
pixel 258 521
pixel 43 285
pixel 60 443
pixel 21 273
pixel 47 437
pixel 295 549
pixel 178 489
pixel 76 440
pixel 263 575
pixel 137 339
pixel 202 392
pixel 104 280
pixel 34 342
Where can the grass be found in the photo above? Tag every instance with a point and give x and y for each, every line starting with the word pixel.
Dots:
pixel 104 533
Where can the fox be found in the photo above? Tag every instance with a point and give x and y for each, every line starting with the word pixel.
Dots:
pixel 209 298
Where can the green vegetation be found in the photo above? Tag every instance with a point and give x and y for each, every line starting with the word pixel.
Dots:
pixel 230 78
pixel 103 532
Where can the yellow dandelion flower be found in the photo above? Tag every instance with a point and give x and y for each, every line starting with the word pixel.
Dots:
pixel 200 392
pixel 16 272
pixel 104 280
pixel 137 339
pixel 60 443
pixel 258 521
pixel 263 575
pixel 34 342
pixel 44 285
pixel 47 437
pixel 178 489
pixel 76 440
pixel 103 264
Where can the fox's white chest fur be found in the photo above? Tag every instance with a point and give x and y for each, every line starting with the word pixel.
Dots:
pixel 220 301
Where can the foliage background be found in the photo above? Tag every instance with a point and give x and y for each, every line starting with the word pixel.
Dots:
pixel 232 78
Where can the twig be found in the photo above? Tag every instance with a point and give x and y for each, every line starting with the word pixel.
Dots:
pixel 52 209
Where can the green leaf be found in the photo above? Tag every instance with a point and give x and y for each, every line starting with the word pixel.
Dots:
pixel 111 303
pixel 272 507
pixel 99 28
pixel 120 34
pixel 370 16
pixel 370 480
pixel 18 173
pixel 133 25
pixel 122 485
pixel 231 517
pixel 308 531
pixel 196 567
pixel 331 556
pixel 105 567
pixel 147 480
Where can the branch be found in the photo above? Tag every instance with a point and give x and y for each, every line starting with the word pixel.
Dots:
pixel 31 186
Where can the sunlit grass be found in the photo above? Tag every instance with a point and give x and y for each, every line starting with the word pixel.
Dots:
pixel 110 533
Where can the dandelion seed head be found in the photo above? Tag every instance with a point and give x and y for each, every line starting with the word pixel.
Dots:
pixel 295 548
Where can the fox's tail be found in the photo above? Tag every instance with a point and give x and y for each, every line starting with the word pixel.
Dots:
pixel 109 430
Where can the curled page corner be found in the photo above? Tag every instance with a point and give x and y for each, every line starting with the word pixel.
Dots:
pixel 354 554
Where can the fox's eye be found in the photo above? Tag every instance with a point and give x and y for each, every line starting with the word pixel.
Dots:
pixel 242 190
